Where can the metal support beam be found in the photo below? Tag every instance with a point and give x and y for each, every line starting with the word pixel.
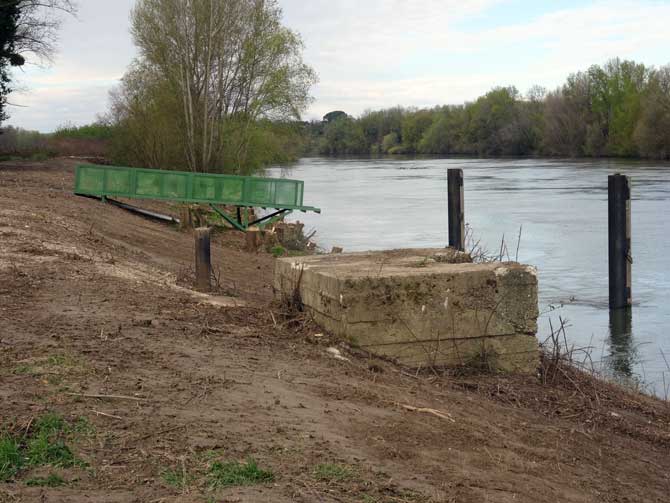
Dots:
pixel 231 221
pixel 270 217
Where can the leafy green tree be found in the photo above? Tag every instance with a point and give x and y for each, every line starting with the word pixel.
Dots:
pixel 627 81
pixel 566 118
pixel 379 124
pixel 608 100
pixel 334 115
pixel 390 141
pixel 652 133
pixel 414 125
pixel 343 136
pixel 617 109
pixel 446 133
pixel 228 64
pixel 144 110
pixel 489 117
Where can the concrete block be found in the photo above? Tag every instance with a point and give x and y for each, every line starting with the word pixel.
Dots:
pixel 421 306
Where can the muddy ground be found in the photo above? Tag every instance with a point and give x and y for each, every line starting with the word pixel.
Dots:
pixel 89 305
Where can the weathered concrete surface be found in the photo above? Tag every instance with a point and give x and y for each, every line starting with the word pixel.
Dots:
pixel 423 307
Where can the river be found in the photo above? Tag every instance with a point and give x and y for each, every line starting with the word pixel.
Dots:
pixel 560 207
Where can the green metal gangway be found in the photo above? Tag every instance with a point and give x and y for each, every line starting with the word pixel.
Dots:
pixel 282 195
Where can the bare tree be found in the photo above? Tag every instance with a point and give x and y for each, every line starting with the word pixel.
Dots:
pixel 28 28
pixel 652 134
pixel 225 59
pixel 37 26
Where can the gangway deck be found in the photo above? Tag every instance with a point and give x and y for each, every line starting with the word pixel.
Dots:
pixel 280 194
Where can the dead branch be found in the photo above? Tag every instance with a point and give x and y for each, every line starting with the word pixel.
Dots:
pixel 434 412
pixel 108 397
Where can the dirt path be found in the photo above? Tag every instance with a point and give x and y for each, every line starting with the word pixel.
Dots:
pixel 89 306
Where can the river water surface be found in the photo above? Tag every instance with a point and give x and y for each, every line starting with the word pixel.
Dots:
pixel 561 205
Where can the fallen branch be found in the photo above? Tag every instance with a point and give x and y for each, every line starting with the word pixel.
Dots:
pixel 106 415
pixel 434 412
pixel 108 397
pixel 335 353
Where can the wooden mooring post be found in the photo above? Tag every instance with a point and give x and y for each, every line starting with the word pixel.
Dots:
pixel 203 260
pixel 455 205
pixel 619 227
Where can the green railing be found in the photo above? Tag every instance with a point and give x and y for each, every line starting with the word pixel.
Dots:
pixel 190 187
pixel 242 191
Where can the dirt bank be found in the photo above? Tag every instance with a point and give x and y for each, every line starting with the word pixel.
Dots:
pixel 89 306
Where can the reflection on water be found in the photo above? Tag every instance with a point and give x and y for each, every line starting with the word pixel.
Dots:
pixel 622 352
pixel 562 206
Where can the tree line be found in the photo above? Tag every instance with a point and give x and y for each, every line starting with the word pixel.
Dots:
pixel 619 109
pixel 220 85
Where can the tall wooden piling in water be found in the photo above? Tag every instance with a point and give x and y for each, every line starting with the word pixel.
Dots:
pixel 620 256
pixel 455 205
pixel 203 261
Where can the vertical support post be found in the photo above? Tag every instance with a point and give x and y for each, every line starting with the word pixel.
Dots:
pixel 253 239
pixel 456 209
pixel 203 261
pixel 185 217
pixel 619 227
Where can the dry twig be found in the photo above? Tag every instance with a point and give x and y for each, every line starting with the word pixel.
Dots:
pixel 108 397
pixel 106 415
pixel 434 412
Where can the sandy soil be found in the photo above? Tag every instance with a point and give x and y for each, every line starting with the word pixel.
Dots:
pixel 89 305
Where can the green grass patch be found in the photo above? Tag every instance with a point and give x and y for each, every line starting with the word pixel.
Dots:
pixel 278 251
pixel 45 449
pixel 83 426
pixel 64 362
pixel 57 360
pixel 330 472
pixel 55 366
pixel 178 479
pixel 25 369
pixel 51 424
pixel 52 480
pixel 237 474
pixel 11 459
pixel 45 445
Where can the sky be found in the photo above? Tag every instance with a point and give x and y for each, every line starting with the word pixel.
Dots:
pixel 371 54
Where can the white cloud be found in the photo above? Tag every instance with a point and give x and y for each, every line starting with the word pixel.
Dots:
pixel 366 53
pixel 95 49
pixel 378 53
pixel 46 109
pixel 348 35
pixel 576 38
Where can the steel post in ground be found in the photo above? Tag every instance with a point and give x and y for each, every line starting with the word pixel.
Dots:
pixel 203 261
